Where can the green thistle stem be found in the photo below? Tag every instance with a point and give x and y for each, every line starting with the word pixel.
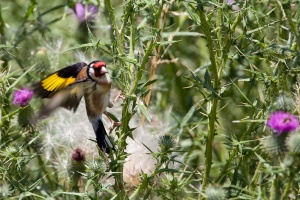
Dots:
pixel 212 116
pixel 287 187
pixel 132 45
pixel 115 29
pixel 274 189
pixel 219 28
pixel 142 67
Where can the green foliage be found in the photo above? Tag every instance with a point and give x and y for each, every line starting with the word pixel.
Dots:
pixel 200 77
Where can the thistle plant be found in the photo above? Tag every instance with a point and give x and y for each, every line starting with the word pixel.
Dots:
pixel 209 105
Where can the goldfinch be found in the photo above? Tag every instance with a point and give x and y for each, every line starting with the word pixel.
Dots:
pixel 67 86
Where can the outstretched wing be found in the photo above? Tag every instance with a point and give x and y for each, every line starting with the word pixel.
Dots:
pixel 58 80
pixel 65 88
pixel 68 98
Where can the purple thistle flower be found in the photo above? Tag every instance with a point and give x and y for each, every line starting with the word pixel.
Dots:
pixel 83 13
pixel 22 97
pixel 282 122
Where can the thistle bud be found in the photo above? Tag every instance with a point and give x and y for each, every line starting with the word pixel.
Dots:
pixel 166 142
pixel 95 167
pixel 77 166
pixel 293 143
pixel 284 103
pixel 25 116
pixel 12 150
pixel 215 193
pixel 5 191
pixel 274 145
pixel 41 59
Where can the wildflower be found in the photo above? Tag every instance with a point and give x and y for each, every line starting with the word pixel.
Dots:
pixel 85 14
pixel 22 97
pixel 78 155
pixel 282 122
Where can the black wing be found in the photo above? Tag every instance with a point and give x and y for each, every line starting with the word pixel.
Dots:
pixel 58 80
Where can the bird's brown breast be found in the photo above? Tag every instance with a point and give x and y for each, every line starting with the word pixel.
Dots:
pixel 97 99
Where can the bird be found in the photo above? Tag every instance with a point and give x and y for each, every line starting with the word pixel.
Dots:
pixel 66 87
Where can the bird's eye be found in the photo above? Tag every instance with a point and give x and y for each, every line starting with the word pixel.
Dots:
pixel 97 69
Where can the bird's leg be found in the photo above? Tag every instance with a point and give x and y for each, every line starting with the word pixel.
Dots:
pixel 119 96
pixel 113 122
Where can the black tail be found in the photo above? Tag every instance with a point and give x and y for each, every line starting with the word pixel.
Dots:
pixel 102 138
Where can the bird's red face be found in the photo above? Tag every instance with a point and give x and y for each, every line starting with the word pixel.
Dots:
pixel 99 68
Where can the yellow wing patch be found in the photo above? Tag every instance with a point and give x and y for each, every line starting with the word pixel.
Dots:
pixel 54 82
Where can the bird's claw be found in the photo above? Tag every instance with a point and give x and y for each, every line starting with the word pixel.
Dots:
pixel 119 96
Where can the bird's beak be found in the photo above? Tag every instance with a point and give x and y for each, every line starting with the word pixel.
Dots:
pixel 103 71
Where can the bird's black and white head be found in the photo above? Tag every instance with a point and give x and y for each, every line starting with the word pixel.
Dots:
pixel 97 71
